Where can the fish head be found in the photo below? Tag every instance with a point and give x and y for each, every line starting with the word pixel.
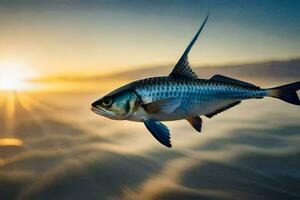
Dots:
pixel 117 105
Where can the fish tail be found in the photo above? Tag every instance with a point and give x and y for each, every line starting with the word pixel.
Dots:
pixel 287 93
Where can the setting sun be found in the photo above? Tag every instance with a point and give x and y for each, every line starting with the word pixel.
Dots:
pixel 13 76
pixel 10 84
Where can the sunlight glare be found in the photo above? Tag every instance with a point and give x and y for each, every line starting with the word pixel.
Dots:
pixel 10 84
pixel 13 76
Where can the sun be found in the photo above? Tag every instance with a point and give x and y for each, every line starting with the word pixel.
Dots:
pixel 10 83
pixel 13 76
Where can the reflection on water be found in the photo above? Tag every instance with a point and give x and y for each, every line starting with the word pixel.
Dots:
pixel 53 147
pixel 10 142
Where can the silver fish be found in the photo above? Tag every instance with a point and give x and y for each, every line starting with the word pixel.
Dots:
pixel 182 95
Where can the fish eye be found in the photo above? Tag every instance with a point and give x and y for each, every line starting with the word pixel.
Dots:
pixel 107 102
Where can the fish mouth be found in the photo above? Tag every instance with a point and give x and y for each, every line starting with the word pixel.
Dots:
pixel 97 110
pixel 102 112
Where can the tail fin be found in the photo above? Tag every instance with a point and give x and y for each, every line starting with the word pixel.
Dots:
pixel 287 93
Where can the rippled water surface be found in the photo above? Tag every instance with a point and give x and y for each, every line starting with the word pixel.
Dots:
pixel 53 147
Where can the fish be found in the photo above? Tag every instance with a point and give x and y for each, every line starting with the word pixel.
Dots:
pixel 183 96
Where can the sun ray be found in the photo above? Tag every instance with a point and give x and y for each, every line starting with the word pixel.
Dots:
pixel 24 102
pixel 10 113
pixel 27 105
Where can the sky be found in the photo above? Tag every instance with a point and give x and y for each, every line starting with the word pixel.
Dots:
pixel 85 37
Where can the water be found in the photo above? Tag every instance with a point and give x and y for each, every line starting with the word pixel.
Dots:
pixel 56 148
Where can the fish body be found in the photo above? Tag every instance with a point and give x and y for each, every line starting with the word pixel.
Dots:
pixel 182 95
pixel 197 96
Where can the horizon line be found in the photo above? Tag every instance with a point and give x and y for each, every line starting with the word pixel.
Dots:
pixel 77 77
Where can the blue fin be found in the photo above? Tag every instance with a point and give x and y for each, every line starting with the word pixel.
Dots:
pixel 226 79
pixel 182 68
pixel 159 131
pixel 167 105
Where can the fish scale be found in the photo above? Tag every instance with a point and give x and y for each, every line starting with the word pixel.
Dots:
pixel 198 96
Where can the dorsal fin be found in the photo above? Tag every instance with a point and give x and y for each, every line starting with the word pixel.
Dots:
pixel 182 68
pixel 219 110
pixel 226 79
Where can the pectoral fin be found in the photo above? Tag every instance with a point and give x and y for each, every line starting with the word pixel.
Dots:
pixel 159 131
pixel 196 122
pixel 167 105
